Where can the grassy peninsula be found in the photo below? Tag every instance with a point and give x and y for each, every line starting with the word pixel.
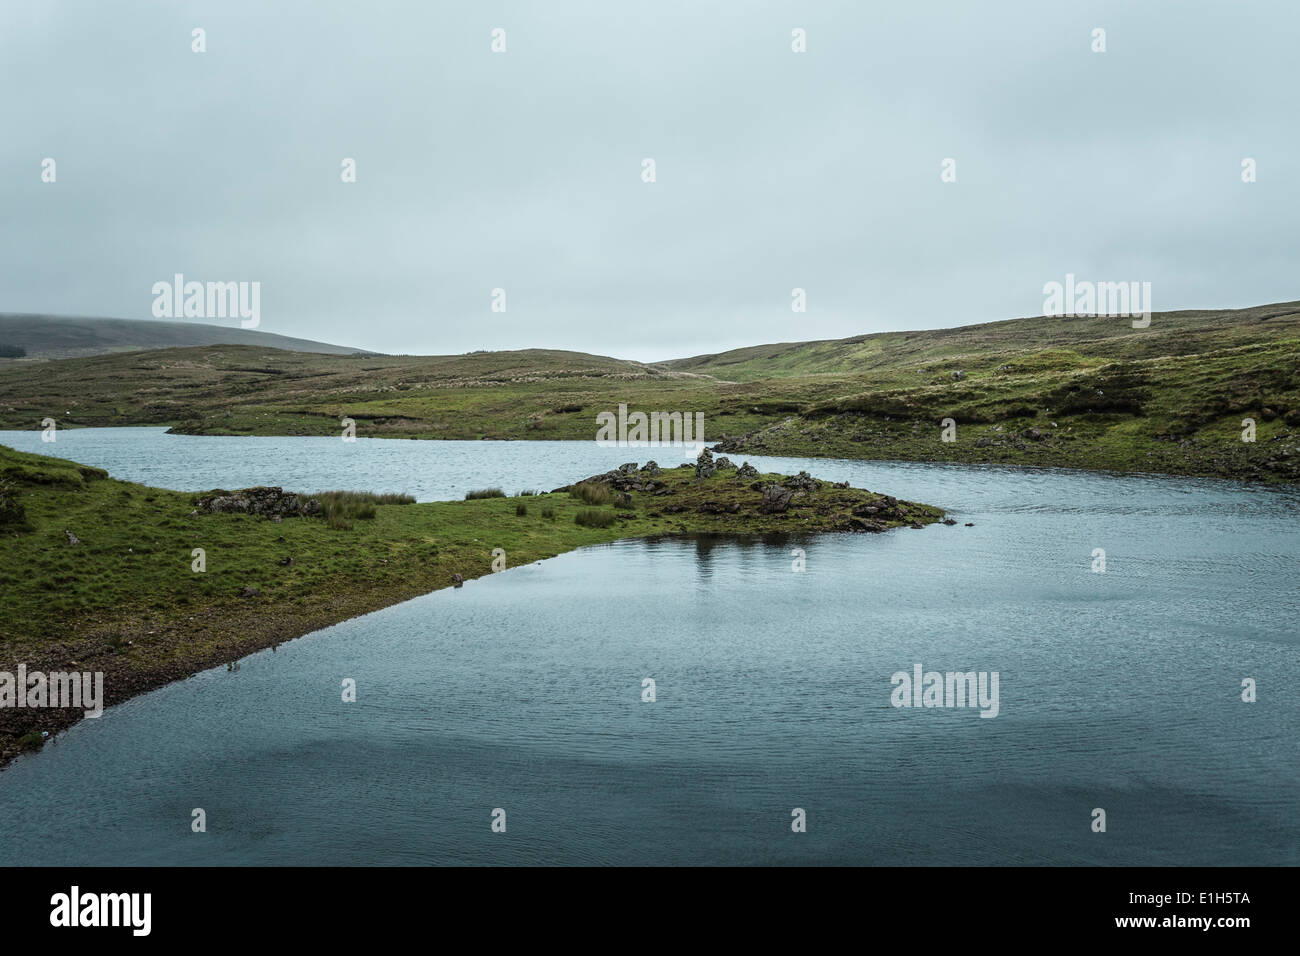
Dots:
pixel 99 574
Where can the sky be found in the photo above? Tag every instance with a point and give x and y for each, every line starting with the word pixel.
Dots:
pixel 523 170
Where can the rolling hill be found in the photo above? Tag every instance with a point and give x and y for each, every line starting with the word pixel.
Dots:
pixel 1066 392
pixel 60 337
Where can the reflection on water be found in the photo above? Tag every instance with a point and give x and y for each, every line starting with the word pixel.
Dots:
pixel 523 691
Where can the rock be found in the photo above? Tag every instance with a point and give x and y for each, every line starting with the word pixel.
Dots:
pixel 724 464
pixel 622 500
pixel 949 521
pixel 250 591
pixel 775 499
pixel 651 468
pixel 628 468
pixel 457 580
pixel 1033 434
pixel 862 524
pixel 983 442
pixel 958 376
pixel 747 471
pixel 704 466
pixel 916 525
pixel 269 502
pixel 286 562
pixel 804 482
pixel 72 538
pixel 970 524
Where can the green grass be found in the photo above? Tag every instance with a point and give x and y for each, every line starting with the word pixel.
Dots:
pixel 476 493
pixel 1172 395
pixel 592 493
pixel 129 601
pixel 594 517
pixel 341 508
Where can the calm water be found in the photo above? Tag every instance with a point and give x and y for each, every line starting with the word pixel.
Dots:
pixel 523 690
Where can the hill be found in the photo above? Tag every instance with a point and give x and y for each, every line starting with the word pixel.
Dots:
pixel 1062 392
pixel 59 337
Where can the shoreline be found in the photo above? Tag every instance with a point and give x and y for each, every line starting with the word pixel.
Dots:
pixel 405 551
pixel 728 448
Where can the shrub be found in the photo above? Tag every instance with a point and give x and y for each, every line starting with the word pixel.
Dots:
pixel 594 518
pixel 12 513
pixel 484 493
pixel 591 492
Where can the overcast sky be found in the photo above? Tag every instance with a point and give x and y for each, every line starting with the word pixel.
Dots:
pixel 523 170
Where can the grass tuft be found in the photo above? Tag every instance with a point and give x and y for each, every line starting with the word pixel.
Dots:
pixel 591 493
pixel 593 518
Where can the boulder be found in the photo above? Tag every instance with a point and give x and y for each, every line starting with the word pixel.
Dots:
pixel 804 482
pixel 775 499
pixel 747 471
pixel 704 466
pixel 268 502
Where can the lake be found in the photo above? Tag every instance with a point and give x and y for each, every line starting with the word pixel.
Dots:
pixel 523 690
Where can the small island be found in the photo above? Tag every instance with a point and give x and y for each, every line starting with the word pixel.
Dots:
pixel 149 586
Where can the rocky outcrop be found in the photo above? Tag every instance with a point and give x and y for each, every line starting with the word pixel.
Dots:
pixel 775 499
pixel 704 465
pixel 627 478
pixel 804 482
pixel 746 471
pixel 269 502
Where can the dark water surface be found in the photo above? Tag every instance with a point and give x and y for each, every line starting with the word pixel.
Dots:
pixel 522 690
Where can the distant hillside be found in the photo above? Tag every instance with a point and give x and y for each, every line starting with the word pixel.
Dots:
pixel 1176 397
pixel 884 355
pixel 59 337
